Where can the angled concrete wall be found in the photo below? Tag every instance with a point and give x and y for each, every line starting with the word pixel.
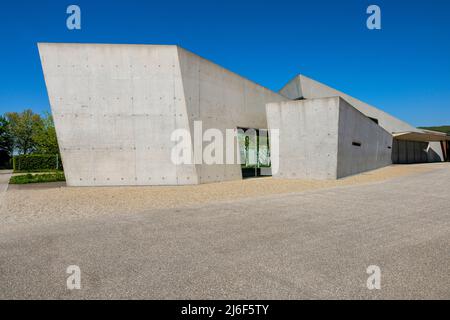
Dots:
pixel 362 144
pixel 116 106
pixel 435 152
pixel 223 100
pixel 308 137
pixel 327 139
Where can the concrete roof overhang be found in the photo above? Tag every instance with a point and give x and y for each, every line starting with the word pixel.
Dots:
pixel 426 136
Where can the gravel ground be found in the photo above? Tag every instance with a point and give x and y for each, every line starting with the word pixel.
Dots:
pixel 308 245
pixel 26 206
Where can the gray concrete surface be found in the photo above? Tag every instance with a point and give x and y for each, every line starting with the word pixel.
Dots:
pixel 318 136
pixel 222 100
pixel 115 108
pixel 308 135
pixel 375 144
pixel 311 245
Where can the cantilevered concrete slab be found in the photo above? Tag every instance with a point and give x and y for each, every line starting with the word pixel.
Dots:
pixel 425 136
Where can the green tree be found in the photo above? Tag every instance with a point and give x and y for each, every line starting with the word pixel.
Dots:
pixel 444 129
pixel 6 140
pixel 44 136
pixel 22 127
pixel 6 144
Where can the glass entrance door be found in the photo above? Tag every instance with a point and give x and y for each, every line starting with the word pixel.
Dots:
pixel 254 152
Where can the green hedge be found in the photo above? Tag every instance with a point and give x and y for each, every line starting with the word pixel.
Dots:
pixel 37 162
pixel 37 178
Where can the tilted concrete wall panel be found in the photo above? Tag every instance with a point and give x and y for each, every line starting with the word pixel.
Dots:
pixel 222 100
pixel 115 107
pixel 435 152
pixel 308 137
pixel 363 145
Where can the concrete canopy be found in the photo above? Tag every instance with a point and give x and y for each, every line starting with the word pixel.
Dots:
pixel 422 136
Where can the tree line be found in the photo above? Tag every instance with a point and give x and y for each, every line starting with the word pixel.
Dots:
pixel 24 133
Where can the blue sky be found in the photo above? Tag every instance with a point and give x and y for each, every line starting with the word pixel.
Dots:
pixel 403 68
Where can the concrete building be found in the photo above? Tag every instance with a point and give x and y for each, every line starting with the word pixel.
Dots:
pixel 116 106
pixel 327 138
pixel 336 138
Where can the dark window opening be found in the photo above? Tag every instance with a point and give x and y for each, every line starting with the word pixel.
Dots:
pixel 356 144
pixel 374 120
pixel 254 148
